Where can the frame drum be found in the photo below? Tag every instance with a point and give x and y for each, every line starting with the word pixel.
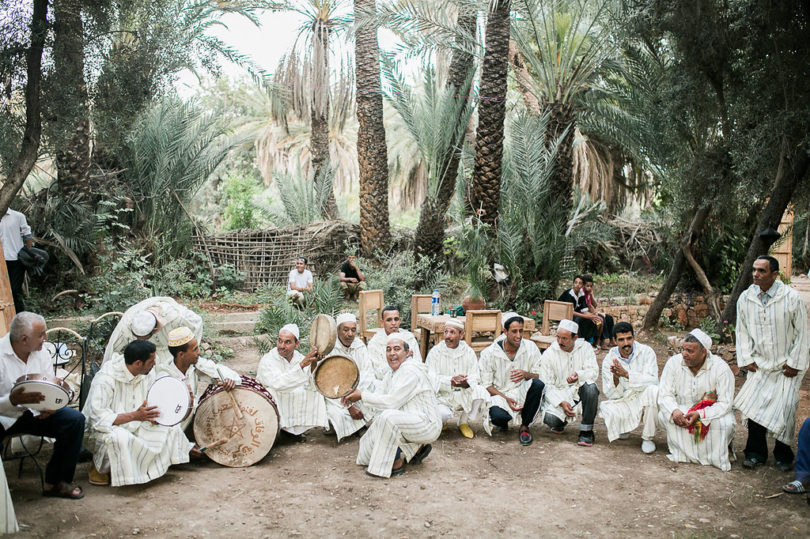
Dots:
pixel 336 376
pixel 57 392
pixel 323 333
pixel 173 399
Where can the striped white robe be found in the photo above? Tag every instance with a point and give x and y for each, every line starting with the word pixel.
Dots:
pixel 495 367
pixel 444 363
pixel 406 418
pixel 376 350
pixel 556 365
pixel 300 406
pixel 680 389
pixel 138 451
pixel 338 414
pixel 173 315
pixel 635 396
pixel 8 519
pixel 198 377
pixel 772 336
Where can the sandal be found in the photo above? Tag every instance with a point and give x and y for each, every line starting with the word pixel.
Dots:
pixel 794 487
pixel 58 492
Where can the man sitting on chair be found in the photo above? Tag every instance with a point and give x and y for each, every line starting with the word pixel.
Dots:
pixel 376 346
pixel 352 280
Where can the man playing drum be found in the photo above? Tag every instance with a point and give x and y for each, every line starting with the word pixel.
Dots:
pixel 287 375
pixel 376 346
pixel 197 372
pixel 21 353
pixel 128 446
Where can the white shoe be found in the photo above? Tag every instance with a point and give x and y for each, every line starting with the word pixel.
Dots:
pixel 624 436
pixel 647 446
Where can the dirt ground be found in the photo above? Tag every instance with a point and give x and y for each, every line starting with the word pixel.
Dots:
pixel 478 487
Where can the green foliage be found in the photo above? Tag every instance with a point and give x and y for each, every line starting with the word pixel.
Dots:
pixel 711 328
pixel 303 198
pixel 626 284
pixel 240 209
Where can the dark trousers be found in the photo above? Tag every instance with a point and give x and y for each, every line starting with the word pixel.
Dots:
pixel 16 275
pixel 803 456
pixel 607 326
pixel 757 445
pixel 500 417
pixel 67 426
pixel 589 396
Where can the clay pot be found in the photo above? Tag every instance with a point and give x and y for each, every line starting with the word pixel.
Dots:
pixel 472 304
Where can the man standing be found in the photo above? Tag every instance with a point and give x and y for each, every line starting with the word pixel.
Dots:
pixel 21 353
pixel 407 421
pixel 509 372
pixel 772 345
pixel 287 374
pixel 299 281
pixel 377 344
pixel 454 367
pixel 569 369
pixel 694 402
pixel 352 280
pixel 128 447
pixel 15 234
pixel 630 385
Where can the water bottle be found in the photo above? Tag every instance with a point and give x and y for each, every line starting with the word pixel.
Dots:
pixel 434 303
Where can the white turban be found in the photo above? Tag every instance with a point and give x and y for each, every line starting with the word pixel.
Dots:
pixel 505 317
pixel 702 338
pixel 292 328
pixel 569 325
pixel 143 323
pixel 455 323
pixel 342 318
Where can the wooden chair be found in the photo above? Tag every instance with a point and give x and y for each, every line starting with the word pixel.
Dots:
pixel 480 322
pixel 420 304
pixel 369 300
pixel 553 311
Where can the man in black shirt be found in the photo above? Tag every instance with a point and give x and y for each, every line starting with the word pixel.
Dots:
pixel 352 280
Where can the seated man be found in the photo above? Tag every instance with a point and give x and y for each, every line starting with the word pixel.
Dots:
pixel 630 384
pixel 128 447
pixel 604 322
pixel 406 420
pixel 376 345
pixel 454 367
pixel 582 316
pixel 287 375
pixel 347 421
pixel 569 369
pixel 152 319
pixel 694 402
pixel 509 372
pixel 197 372
pixel 802 482
pixel 299 281
pixel 21 353
pixel 352 280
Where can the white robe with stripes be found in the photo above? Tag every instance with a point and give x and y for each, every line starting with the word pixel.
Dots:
pixel 625 403
pixel 772 336
pixel 406 418
pixel 339 416
pixel 8 519
pixel 376 350
pixel 138 451
pixel 300 406
pixel 680 389
pixel 444 363
pixel 556 365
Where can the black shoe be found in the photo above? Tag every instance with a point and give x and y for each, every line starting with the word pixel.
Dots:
pixel 421 455
pixel 784 466
pixel 586 438
pixel 752 462
pixel 499 428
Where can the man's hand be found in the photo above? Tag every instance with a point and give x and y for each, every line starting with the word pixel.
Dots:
pixel 355 412
pixel 752 367
pixel 146 413
pixel 352 397
pixel 227 384
pixel 45 414
pixel 691 418
pixel 790 372
pixel 513 404
pixel 195 452
pixel 618 370
pixel 21 396
pixel 518 375
pixel 568 409
pixel 460 380
pixel 572 378
pixel 311 359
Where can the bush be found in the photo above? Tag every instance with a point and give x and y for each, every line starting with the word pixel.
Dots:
pixel 241 210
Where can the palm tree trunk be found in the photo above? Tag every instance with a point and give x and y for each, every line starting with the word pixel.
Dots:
pixel 560 130
pixel 491 116
pixel 372 151
pixel 319 114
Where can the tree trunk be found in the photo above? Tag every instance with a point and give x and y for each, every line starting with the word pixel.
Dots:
pixel 657 306
pixel 319 114
pixel 372 151
pixel 33 122
pixel 560 131
pixel 712 298
pixel 524 79
pixel 491 116
pixel 791 171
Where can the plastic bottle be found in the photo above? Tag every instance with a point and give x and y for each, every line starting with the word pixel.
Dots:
pixel 434 303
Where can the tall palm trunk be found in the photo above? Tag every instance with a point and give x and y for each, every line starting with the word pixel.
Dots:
pixel 491 115
pixel 561 124
pixel 372 151
pixel 319 113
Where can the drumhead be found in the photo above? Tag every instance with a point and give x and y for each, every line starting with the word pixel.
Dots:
pixel 323 333
pixel 56 397
pixel 172 398
pixel 336 376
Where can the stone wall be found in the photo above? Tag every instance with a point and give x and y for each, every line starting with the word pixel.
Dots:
pixel 682 308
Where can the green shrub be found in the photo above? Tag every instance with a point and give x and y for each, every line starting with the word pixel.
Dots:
pixel 238 198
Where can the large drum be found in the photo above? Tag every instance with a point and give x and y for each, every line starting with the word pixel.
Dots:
pixel 173 399
pixel 57 392
pixel 336 376
pixel 232 440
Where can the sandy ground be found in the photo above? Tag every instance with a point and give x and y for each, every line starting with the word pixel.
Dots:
pixel 465 488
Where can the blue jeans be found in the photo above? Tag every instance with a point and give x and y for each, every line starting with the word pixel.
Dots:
pixel 803 453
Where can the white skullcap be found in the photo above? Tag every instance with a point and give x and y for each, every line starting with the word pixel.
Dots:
pixel 143 323
pixel 505 317
pixel 702 338
pixel 455 323
pixel 569 325
pixel 180 336
pixel 342 318
pixel 292 328
pixel 394 337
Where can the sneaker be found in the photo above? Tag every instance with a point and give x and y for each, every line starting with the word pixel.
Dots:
pixel 97 478
pixel 624 436
pixel 586 438
pixel 466 431
pixel 647 446
pixel 525 436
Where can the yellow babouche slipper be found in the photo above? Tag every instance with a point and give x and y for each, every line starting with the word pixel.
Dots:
pixel 97 478
pixel 466 431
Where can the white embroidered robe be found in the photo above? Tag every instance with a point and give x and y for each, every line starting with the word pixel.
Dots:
pixel 339 416
pixel 556 365
pixel 444 363
pixel 300 406
pixel 495 367
pixel 376 350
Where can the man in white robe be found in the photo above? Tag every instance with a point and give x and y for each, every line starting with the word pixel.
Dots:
pixel 195 371
pixel 287 375
pixel 407 420
pixel 569 369
pixel 376 345
pixel 128 447
pixel 510 373
pixel 152 319
pixel 630 386
pixel 454 368
pixel 772 346
pixel 695 396
pixel 348 420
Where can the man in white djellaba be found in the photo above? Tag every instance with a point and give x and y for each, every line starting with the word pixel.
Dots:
pixel 772 346
pixel 376 345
